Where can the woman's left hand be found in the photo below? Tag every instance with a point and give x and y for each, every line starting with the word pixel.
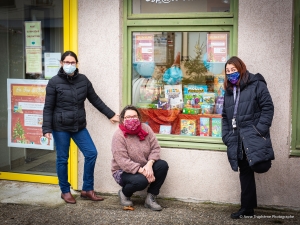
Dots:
pixel 148 169
pixel 115 118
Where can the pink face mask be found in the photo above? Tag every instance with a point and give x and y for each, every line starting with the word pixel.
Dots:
pixel 132 123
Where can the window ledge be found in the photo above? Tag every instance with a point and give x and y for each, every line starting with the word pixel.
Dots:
pixel 295 152
pixel 191 142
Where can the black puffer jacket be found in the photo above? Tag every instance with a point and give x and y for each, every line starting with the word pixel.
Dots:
pixel 254 118
pixel 64 105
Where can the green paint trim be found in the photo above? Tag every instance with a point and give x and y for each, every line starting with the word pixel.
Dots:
pixel 181 29
pixel 125 79
pixel 182 22
pixel 295 142
pixel 204 22
pixel 234 39
pixel 181 15
pixel 197 139
pixel 295 153
pixel 188 145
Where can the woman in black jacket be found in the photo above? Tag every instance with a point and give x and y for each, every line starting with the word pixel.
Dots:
pixel 246 120
pixel 64 116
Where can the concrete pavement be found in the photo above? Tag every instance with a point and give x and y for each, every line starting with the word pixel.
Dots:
pixel 32 203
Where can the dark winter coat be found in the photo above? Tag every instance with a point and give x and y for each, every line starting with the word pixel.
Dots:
pixel 254 118
pixel 64 105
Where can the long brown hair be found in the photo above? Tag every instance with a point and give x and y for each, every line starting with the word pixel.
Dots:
pixel 240 66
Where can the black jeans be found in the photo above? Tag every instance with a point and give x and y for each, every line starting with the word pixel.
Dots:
pixel 247 181
pixel 138 182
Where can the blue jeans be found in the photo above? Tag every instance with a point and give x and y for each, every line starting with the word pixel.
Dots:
pixel 86 145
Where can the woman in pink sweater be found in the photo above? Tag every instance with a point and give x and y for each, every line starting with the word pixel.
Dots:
pixel 136 159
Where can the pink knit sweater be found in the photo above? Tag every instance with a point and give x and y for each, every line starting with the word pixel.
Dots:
pixel 129 153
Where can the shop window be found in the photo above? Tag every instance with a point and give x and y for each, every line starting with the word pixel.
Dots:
pixel 177 81
pixel 174 58
pixel 31 42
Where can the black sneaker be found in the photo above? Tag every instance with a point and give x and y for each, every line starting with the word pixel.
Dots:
pixel 243 213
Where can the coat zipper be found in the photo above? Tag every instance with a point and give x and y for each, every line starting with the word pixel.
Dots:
pixel 258 132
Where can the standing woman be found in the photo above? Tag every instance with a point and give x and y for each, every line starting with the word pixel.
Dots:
pixel 246 120
pixel 64 116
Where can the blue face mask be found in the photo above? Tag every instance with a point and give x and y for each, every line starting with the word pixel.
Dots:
pixel 233 77
pixel 69 69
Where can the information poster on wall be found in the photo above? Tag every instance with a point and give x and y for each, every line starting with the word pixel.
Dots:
pixel 144 48
pixel 26 99
pixel 216 47
pixel 34 60
pixel 52 63
pixel 33 34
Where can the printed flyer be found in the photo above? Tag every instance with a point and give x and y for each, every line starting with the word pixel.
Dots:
pixel 144 48
pixel 217 47
pixel 26 99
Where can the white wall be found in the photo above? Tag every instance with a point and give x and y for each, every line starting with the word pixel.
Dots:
pixel 100 57
pixel 264 43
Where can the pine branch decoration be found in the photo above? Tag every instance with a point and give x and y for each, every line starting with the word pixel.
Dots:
pixel 195 68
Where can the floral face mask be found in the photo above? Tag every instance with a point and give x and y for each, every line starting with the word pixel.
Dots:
pixel 132 123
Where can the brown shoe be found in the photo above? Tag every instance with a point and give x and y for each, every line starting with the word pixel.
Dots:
pixel 91 195
pixel 68 198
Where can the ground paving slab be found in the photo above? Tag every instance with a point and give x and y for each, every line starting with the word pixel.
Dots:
pixel 30 203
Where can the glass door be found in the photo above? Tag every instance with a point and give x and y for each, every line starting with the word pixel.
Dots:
pixel 19 60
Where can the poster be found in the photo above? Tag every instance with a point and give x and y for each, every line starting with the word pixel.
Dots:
pixel 33 34
pixel 160 49
pixel 144 48
pixel 26 99
pixel 217 47
pixel 52 63
pixel 34 60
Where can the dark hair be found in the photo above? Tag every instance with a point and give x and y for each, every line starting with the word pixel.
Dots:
pixel 69 53
pixel 129 107
pixel 240 66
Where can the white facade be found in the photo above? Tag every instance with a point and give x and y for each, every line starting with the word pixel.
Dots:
pixel 265 30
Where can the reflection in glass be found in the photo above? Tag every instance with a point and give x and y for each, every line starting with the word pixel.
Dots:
pixel 179 6
pixel 177 81
pixel 13 15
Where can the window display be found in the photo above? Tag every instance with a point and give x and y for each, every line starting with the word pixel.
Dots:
pixel 177 81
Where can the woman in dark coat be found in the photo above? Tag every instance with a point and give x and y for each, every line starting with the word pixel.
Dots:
pixel 246 120
pixel 64 117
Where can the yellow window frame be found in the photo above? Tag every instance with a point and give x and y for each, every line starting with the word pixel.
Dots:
pixel 70 31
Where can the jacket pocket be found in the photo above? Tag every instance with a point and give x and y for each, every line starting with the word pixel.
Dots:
pixel 58 118
pixel 259 133
pixel 68 118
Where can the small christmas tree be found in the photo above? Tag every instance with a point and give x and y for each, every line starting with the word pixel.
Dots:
pixel 18 132
pixel 195 68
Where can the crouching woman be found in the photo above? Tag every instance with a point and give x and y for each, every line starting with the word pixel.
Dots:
pixel 136 159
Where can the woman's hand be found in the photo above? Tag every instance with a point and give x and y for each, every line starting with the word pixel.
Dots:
pixel 148 171
pixel 48 135
pixel 143 171
pixel 115 118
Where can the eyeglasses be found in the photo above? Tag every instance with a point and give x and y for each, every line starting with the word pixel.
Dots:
pixel 131 117
pixel 68 63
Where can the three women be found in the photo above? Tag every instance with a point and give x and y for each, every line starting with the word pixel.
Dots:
pixel 246 119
